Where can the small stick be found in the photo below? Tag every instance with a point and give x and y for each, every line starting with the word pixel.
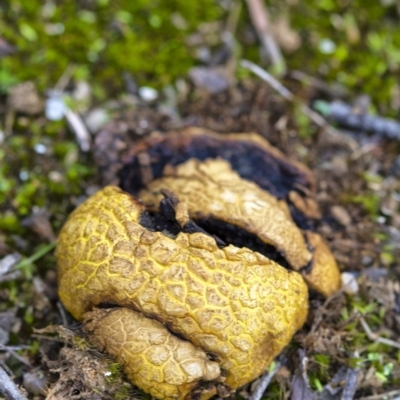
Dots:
pixel 350 386
pixel 65 77
pixel 78 127
pixel 62 313
pixel 8 388
pixel 233 17
pixel 376 338
pixel 260 19
pixel 288 95
pixel 15 348
pixel 44 337
pixel 21 359
pixel 265 76
pixel 264 382
pixel 387 395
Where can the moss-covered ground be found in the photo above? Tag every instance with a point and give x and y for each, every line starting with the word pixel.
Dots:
pixel 343 49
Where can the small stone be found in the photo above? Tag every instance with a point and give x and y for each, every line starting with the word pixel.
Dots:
pixel 349 283
pixel 367 260
pixel 341 215
pixel 389 205
pixel 96 118
pixel 215 80
pixel 339 164
pixel 55 106
pixel 8 262
pixel 148 93
pixel 395 170
pixel 35 383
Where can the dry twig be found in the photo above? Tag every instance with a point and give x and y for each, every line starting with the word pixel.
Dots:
pixel 350 385
pixel 10 350
pixel 288 95
pixel 264 382
pixel 376 338
pixel 393 394
pixel 62 313
pixel 78 127
pixel 260 19
pixel 8 388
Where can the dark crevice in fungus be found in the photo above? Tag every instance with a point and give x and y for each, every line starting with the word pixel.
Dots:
pixel 239 237
pixel 251 161
pixel 223 232
pixel 165 222
pixel 157 222
pixel 301 220
pixel 270 173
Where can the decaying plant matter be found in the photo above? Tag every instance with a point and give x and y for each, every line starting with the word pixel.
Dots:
pixel 197 286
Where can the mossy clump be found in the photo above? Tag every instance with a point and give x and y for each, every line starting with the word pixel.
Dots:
pixel 104 38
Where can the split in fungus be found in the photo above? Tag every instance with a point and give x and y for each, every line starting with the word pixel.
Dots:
pixel 250 155
pixel 243 214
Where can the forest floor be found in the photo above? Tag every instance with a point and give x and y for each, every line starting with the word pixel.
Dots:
pixel 349 347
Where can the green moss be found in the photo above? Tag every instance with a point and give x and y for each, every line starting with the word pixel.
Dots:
pixel 9 222
pixel 105 38
pixel 364 57
pixel 370 202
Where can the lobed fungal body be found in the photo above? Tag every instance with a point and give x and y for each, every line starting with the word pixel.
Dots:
pixel 235 304
pixel 194 275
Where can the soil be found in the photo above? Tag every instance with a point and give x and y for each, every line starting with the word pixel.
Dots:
pixel 339 352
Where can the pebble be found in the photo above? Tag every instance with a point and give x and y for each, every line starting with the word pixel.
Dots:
pixel 55 106
pixel 341 215
pixel 148 93
pixel 212 79
pixel 35 383
pixel 96 118
pixel 349 283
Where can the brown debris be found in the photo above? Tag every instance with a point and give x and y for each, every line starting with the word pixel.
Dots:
pixel 39 223
pixel 79 373
pixel 24 98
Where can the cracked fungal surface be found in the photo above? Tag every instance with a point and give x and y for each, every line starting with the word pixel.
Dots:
pixel 217 196
pixel 250 155
pixel 188 318
pixel 212 190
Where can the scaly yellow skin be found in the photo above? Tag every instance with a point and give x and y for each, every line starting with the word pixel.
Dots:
pixel 166 366
pixel 232 303
pixel 211 189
